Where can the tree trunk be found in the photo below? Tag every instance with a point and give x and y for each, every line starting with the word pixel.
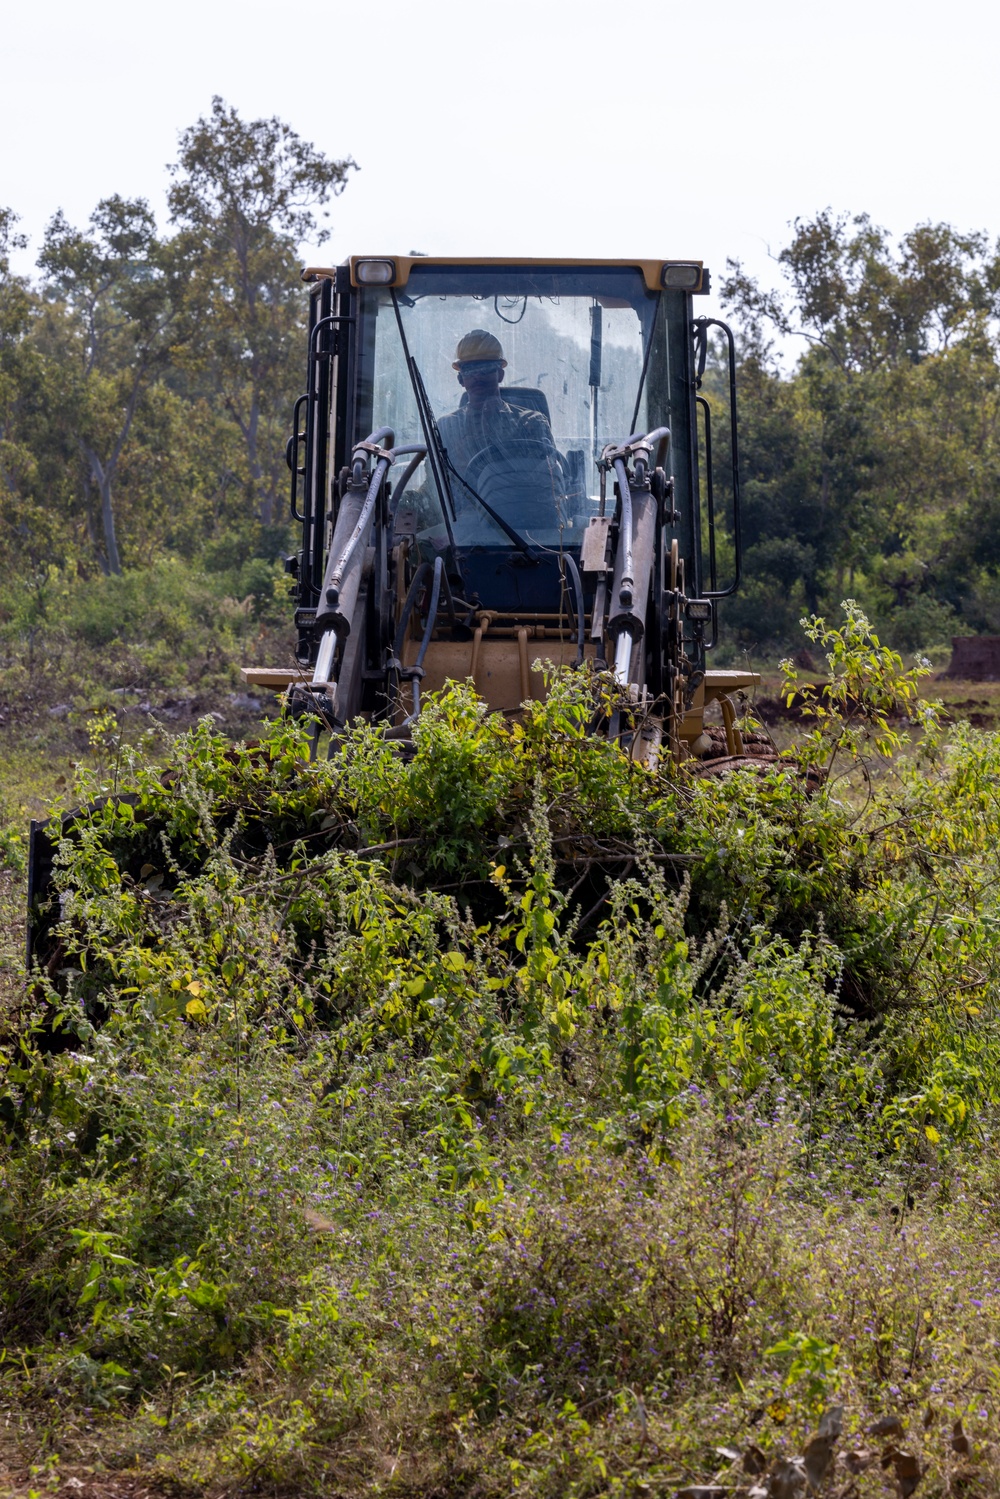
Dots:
pixel 256 473
pixel 108 521
pixel 102 478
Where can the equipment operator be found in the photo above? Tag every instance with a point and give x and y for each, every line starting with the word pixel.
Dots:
pixel 485 419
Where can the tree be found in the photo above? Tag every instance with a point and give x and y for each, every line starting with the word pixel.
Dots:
pixel 244 194
pixel 866 305
pixel 28 522
pixel 873 465
pixel 15 318
pixel 112 289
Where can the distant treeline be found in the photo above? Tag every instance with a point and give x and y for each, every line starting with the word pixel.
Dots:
pixel 147 379
pixel 873 470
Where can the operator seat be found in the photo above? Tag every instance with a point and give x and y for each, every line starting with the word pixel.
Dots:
pixel 522 398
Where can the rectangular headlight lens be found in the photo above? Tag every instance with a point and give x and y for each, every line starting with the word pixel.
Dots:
pixel 699 609
pixel 681 277
pixel 376 272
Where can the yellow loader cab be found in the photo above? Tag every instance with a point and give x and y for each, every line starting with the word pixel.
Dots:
pixel 496 463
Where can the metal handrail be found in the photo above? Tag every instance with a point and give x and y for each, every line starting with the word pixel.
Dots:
pixel 710 495
pixel 700 327
pixel 292 455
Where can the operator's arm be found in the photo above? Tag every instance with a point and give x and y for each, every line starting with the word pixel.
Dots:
pixel 535 426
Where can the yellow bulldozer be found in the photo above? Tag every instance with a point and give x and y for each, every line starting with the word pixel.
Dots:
pixel 497 464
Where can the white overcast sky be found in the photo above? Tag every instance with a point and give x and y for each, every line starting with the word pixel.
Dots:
pixel 535 127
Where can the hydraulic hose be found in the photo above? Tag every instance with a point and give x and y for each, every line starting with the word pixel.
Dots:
pixel 574 573
pixel 419 454
pixel 654 438
pixel 411 598
pixel 373 440
pixel 625 588
pixel 432 610
pixel 658 439
pixel 417 667
pixel 364 519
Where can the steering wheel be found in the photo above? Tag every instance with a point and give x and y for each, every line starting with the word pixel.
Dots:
pixel 519 450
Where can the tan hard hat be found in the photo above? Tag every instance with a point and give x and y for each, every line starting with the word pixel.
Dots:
pixel 478 345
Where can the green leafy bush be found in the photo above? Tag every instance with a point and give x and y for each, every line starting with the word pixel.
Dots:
pixel 506 1107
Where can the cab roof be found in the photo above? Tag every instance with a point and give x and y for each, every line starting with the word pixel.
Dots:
pixel 401 265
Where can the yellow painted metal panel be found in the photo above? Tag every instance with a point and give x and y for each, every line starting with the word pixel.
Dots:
pixel 652 270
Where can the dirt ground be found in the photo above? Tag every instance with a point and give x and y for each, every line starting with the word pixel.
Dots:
pixel 976 702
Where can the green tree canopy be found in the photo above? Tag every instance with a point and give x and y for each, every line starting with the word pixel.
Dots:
pixel 114 290
pixel 244 194
pixel 874 466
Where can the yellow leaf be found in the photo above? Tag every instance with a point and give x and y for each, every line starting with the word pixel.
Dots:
pixel 931 1133
pixel 194 988
pixel 195 1009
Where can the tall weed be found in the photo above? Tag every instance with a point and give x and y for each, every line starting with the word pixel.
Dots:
pixel 509 1115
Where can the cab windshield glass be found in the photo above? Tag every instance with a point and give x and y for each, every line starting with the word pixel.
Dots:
pixel 527 372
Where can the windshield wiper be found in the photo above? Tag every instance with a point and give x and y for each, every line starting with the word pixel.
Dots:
pixel 442 464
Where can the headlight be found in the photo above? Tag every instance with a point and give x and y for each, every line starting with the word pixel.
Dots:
pixel 699 609
pixel 375 272
pixel 682 277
